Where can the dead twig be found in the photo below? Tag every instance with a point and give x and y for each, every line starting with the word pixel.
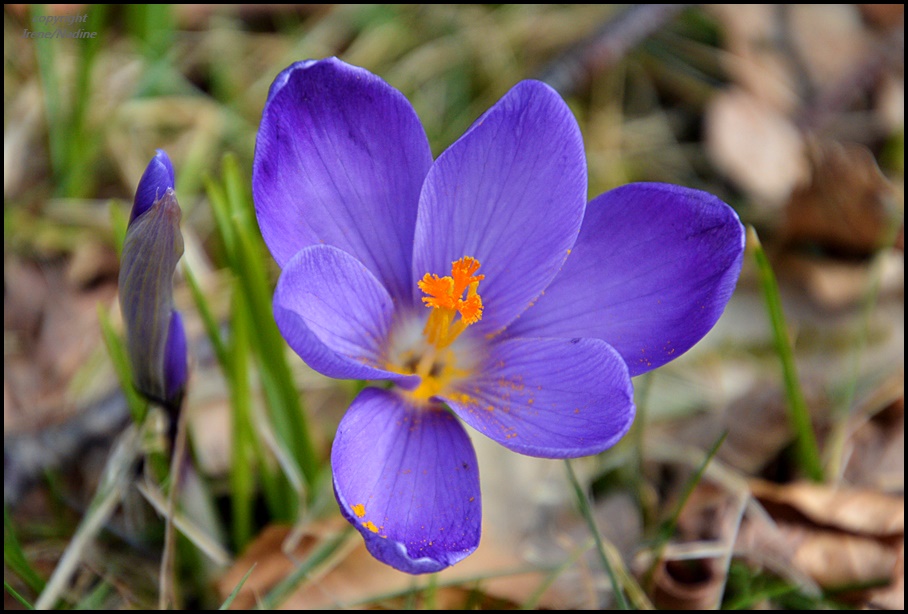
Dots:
pixel 607 45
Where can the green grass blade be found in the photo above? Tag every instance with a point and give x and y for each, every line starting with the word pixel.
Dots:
pixel 430 593
pixel 14 557
pixel 284 402
pixel 138 406
pixel 15 595
pixel 666 531
pixel 322 553
pixel 45 54
pixel 585 509
pixel 153 25
pixel 72 144
pixel 208 320
pixel 83 142
pixel 219 207
pixel 242 480
pixel 532 602
pixel 238 196
pixel 236 591
pixel 119 222
pixel 248 450
pixel 95 598
pixel 243 252
pixel 808 453
pixel 115 480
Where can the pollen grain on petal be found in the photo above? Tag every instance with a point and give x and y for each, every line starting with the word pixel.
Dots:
pixel 359 509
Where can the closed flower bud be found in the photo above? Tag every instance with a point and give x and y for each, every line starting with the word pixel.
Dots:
pixel 155 338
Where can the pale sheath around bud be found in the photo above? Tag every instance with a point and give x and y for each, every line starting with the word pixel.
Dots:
pixel 155 337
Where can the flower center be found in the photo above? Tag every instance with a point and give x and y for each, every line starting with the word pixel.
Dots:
pixel 455 304
pixel 446 298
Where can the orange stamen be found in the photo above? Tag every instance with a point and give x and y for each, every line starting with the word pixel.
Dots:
pixel 446 298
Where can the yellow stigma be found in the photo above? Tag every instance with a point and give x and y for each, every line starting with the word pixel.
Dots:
pixel 446 299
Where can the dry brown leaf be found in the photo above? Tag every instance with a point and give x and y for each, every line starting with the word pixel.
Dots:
pixel 861 511
pixel 838 537
pixel 830 39
pixel 755 145
pixel 692 571
pixel 890 97
pixel 877 458
pixel 91 262
pixel 847 206
pixel 837 560
pixel 688 585
pixel 53 331
pixel 755 61
pixel 891 597
pixel 212 433
pixel 808 556
pixel 836 284
pixel 358 579
pixel 832 559
pixel 883 16
pixel 758 428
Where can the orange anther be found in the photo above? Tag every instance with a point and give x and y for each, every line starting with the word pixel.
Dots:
pixel 440 291
pixel 446 296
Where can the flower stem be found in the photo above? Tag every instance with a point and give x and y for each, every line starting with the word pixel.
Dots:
pixel 587 512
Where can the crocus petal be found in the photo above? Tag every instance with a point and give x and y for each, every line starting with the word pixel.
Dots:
pixel 651 273
pixel 175 358
pixel 335 314
pixel 156 179
pixel 407 478
pixel 555 398
pixel 150 253
pixel 340 159
pixel 510 193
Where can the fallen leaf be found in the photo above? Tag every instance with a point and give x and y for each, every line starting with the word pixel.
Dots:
pixel 877 457
pixel 837 284
pixel 891 597
pixel 755 61
pixel 356 579
pixel 836 560
pixel 54 333
pixel 855 510
pixel 688 584
pixel 830 39
pixel 91 263
pixel 883 16
pixel 758 428
pixel 840 537
pixel 755 145
pixel 692 570
pixel 847 206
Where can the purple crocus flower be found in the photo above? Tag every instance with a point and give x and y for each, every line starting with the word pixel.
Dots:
pixel 155 338
pixel 480 283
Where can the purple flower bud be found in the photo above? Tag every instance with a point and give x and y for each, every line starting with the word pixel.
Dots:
pixel 175 357
pixel 155 338
pixel 156 179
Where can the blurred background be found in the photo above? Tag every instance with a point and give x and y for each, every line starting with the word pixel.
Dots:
pixel 793 114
